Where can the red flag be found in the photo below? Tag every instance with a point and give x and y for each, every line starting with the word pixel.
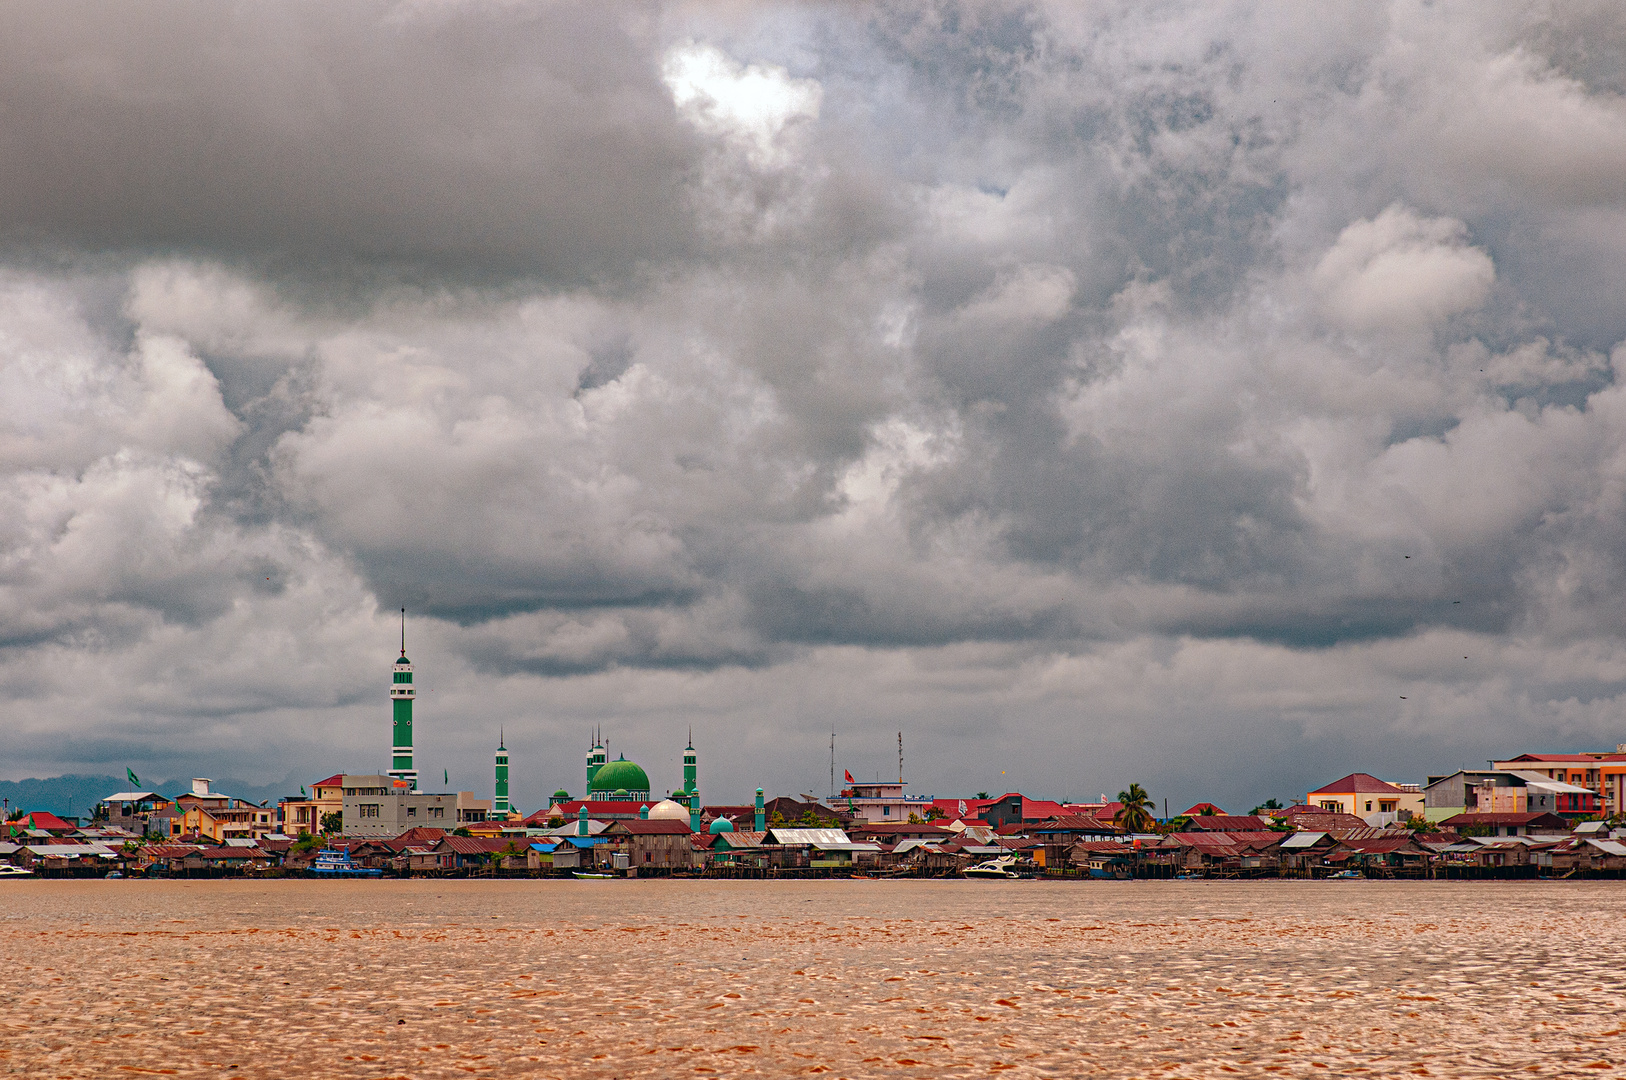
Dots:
pixel 848 775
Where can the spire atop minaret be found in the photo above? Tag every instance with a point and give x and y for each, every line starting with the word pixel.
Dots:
pixel 403 631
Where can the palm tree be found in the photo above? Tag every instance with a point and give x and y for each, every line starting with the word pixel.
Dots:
pixel 1135 815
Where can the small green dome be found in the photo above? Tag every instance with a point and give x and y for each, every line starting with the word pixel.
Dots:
pixel 621 793
pixel 722 824
pixel 562 795
pixel 402 660
pixel 620 773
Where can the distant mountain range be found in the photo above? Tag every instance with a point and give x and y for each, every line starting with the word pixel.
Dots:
pixel 75 795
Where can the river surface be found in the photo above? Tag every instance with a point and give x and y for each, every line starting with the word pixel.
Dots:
pixel 430 979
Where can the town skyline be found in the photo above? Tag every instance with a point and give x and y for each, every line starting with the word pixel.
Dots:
pixel 1216 399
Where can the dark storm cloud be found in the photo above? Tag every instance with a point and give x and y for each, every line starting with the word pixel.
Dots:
pixel 483 140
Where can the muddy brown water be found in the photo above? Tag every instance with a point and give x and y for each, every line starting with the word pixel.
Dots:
pixel 601 979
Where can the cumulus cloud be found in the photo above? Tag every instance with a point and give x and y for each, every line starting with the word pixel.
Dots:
pixel 1398 271
pixel 1172 390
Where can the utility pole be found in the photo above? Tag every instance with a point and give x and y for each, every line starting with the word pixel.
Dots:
pixel 832 763
pixel 900 757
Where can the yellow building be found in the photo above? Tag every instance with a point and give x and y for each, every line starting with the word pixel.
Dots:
pixel 305 815
pixel 1367 797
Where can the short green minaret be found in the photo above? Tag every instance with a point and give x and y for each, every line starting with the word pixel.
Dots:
pixel 760 821
pixel 499 803
pixel 401 695
pixel 581 821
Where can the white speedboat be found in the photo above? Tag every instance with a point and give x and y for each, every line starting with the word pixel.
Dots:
pixel 8 870
pixel 1000 868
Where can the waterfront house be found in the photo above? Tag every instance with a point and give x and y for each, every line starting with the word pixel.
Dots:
pixel 653 844
pixel 1388 854
pixel 817 848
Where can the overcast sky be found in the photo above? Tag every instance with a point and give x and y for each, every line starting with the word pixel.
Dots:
pixel 1223 398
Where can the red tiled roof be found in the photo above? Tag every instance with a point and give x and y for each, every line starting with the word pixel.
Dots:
pixel 596 808
pixel 418 834
pixel 472 845
pixel 336 780
pixel 1325 821
pixel 1379 845
pixel 1078 823
pixel 1227 823
pixel 1253 838
pixel 642 827
pixel 1541 818
pixel 43 819
pixel 1359 783
pixel 1203 809
pixel 1558 758
pixel 168 851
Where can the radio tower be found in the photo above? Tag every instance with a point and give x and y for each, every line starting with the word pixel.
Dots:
pixel 832 763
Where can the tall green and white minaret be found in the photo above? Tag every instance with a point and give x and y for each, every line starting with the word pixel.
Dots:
pixel 691 779
pixel 401 695
pixel 499 804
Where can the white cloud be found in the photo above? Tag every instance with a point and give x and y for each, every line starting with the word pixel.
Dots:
pixel 1401 271
pixel 751 105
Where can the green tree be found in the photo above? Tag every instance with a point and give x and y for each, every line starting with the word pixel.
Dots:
pixel 333 821
pixel 933 813
pixel 461 831
pixel 982 794
pixel 1135 815
pixel 1267 805
pixel 776 819
pixel 914 819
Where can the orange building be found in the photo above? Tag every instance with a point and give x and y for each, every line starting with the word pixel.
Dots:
pixel 1600 772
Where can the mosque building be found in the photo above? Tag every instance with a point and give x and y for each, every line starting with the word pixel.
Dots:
pixel 621 789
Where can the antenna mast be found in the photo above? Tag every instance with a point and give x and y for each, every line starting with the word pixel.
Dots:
pixel 900 757
pixel 832 763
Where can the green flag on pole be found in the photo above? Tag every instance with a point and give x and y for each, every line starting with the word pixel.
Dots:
pixel 302 794
pixel 445 778
pixel 134 779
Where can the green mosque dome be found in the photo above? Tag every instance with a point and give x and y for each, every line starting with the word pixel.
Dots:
pixel 722 824
pixel 621 794
pixel 620 774
pixel 562 795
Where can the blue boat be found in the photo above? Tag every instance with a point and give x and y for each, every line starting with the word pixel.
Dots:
pixel 331 863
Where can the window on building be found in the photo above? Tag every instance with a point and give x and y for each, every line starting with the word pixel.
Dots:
pixel 412 811
pixel 368 810
pixel 437 811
